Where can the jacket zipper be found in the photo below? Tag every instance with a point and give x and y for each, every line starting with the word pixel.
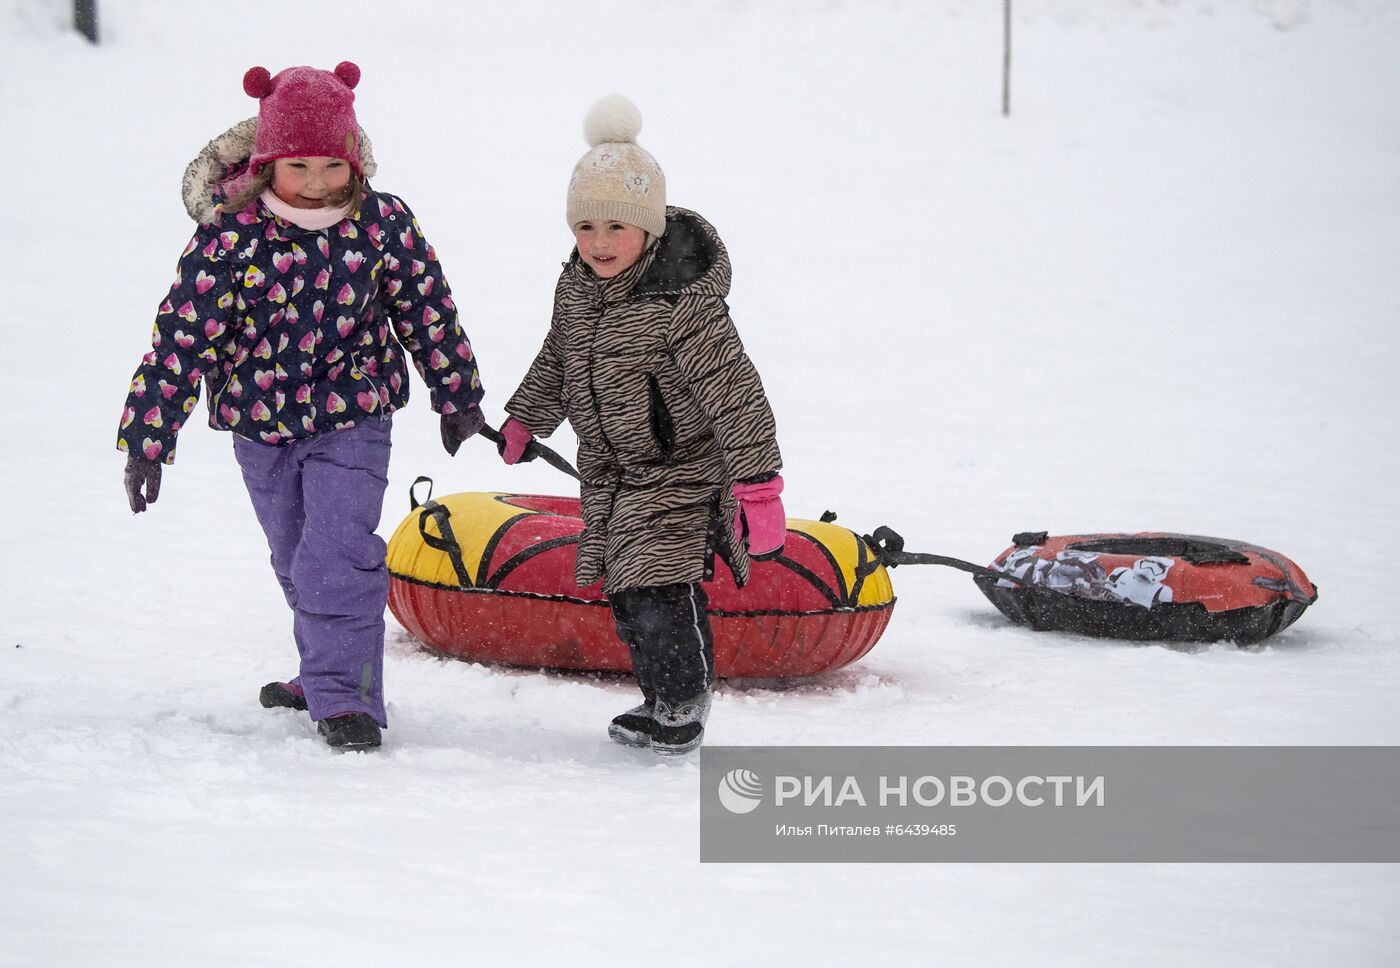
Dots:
pixel 592 389
pixel 355 358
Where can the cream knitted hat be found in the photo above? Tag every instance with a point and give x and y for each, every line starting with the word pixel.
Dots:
pixel 617 180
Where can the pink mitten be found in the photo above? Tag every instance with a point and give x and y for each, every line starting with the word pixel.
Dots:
pixel 761 511
pixel 518 437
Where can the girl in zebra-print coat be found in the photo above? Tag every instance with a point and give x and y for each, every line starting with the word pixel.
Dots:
pixel 678 453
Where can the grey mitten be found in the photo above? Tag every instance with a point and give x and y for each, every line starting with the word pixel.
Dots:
pixel 460 426
pixel 141 476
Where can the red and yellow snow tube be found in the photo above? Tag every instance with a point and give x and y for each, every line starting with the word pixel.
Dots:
pixel 490 578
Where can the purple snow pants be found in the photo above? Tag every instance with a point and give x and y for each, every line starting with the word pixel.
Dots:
pixel 318 500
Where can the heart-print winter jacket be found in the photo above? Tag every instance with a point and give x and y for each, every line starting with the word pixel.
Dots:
pixel 295 331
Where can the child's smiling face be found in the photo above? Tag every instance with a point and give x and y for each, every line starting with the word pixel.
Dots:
pixel 609 248
pixel 309 182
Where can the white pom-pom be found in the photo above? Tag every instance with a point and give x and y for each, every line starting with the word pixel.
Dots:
pixel 614 118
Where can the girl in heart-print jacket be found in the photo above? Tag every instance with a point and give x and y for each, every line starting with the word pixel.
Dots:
pixel 294 331
pixel 295 306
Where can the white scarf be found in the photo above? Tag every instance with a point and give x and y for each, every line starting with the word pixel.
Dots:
pixel 311 219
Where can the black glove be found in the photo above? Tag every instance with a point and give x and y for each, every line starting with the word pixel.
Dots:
pixel 457 427
pixel 141 474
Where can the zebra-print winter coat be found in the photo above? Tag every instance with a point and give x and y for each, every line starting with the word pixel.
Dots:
pixel 668 409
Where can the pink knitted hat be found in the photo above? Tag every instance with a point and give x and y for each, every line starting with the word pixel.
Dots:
pixel 306 113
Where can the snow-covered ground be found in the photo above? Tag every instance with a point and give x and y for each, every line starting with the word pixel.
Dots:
pixel 1162 295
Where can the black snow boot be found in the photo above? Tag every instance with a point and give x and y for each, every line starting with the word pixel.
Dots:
pixel 353 731
pixel 634 727
pixel 680 728
pixel 282 695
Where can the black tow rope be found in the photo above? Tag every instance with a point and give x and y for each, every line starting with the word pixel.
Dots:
pixel 888 546
pixel 532 450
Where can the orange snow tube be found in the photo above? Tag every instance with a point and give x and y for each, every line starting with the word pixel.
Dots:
pixel 1147 585
pixel 490 578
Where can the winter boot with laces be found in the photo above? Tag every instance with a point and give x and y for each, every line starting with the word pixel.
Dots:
pixel 634 727
pixel 287 695
pixel 350 731
pixel 680 727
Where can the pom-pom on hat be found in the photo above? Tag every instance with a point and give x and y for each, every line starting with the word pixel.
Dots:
pixel 305 113
pixel 617 180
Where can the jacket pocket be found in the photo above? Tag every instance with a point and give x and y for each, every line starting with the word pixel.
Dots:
pixel 662 427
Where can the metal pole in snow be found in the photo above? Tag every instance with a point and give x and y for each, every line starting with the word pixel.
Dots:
pixel 85 18
pixel 1006 59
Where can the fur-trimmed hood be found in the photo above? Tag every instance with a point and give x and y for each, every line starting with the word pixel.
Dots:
pixel 222 168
